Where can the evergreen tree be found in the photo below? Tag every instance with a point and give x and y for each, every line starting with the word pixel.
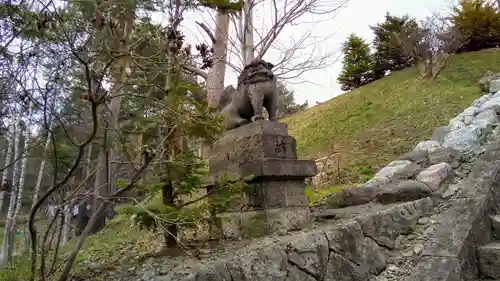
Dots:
pixel 389 55
pixel 357 69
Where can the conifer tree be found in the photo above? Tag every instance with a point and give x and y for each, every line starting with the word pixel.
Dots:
pixel 357 62
pixel 388 54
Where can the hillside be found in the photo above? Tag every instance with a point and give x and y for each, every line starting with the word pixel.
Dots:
pixel 369 126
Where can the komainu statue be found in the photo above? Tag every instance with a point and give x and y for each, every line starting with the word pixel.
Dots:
pixel 256 89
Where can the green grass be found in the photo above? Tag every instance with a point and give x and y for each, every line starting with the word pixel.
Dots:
pixel 315 196
pixel 372 125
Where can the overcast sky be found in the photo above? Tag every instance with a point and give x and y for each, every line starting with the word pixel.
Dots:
pixel 356 17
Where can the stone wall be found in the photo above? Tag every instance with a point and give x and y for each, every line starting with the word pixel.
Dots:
pixel 421 218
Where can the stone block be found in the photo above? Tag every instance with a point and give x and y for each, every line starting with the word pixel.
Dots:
pixel 347 239
pixel 445 155
pixel 284 168
pixel 435 175
pixel 392 169
pixel 494 85
pixel 261 127
pixel 403 191
pixel 386 225
pixel 359 195
pixel 429 145
pixel 489 260
pixel 269 167
pixel 262 222
pixel 466 141
pixel 419 157
pixel 271 194
pixel 458 238
pixel 440 133
pixel 254 147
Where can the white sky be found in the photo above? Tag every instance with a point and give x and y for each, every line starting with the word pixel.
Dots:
pixel 356 17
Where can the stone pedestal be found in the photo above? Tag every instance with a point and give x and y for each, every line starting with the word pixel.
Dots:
pixel 275 199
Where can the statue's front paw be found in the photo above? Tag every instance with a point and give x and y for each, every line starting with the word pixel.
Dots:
pixel 257 117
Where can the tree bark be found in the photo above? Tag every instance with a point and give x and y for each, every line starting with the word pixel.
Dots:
pixel 7 245
pixel 248 43
pixel 8 158
pixel 216 74
pixel 22 176
pixel 39 179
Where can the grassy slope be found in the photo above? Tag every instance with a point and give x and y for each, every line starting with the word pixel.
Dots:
pixel 375 123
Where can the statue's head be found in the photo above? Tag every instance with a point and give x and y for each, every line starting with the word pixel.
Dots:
pixel 258 70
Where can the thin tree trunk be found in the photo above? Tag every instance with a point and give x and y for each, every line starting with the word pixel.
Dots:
pixel 80 222
pixel 8 158
pixel 100 189
pixel 66 224
pixel 39 179
pixel 7 245
pixel 22 176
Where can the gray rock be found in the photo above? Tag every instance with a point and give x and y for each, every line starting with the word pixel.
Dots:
pixel 440 133
pixel 375 182
pixel 481 100
pixel 420 157
pixel 465 141
pixel 460 230
pixel 457 125
pixel 495 224
pixel 409 172
pixel 418 248
pixel 485 120
pixel 429 145
pixel 493 104
pixel 494 135
pixel 446 155
pixel 423 221
pixel 359 195
pixel 384 226
pixel 489 260
pixel 435 175
pixel 450 191
pixel 470 111
pixel 494 85
pixel 348 240
pixel 485 81
pixel 403 191
pixel 392 169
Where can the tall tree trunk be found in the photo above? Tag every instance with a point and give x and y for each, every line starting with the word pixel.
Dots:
pixel 215 79
pixel 101 184
pixel 248 44
pixel 8 159
pixel 39 179
pixel 7 245
pixel 67 223
pixel 81 219
pixel 119 41
pixel 22 176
